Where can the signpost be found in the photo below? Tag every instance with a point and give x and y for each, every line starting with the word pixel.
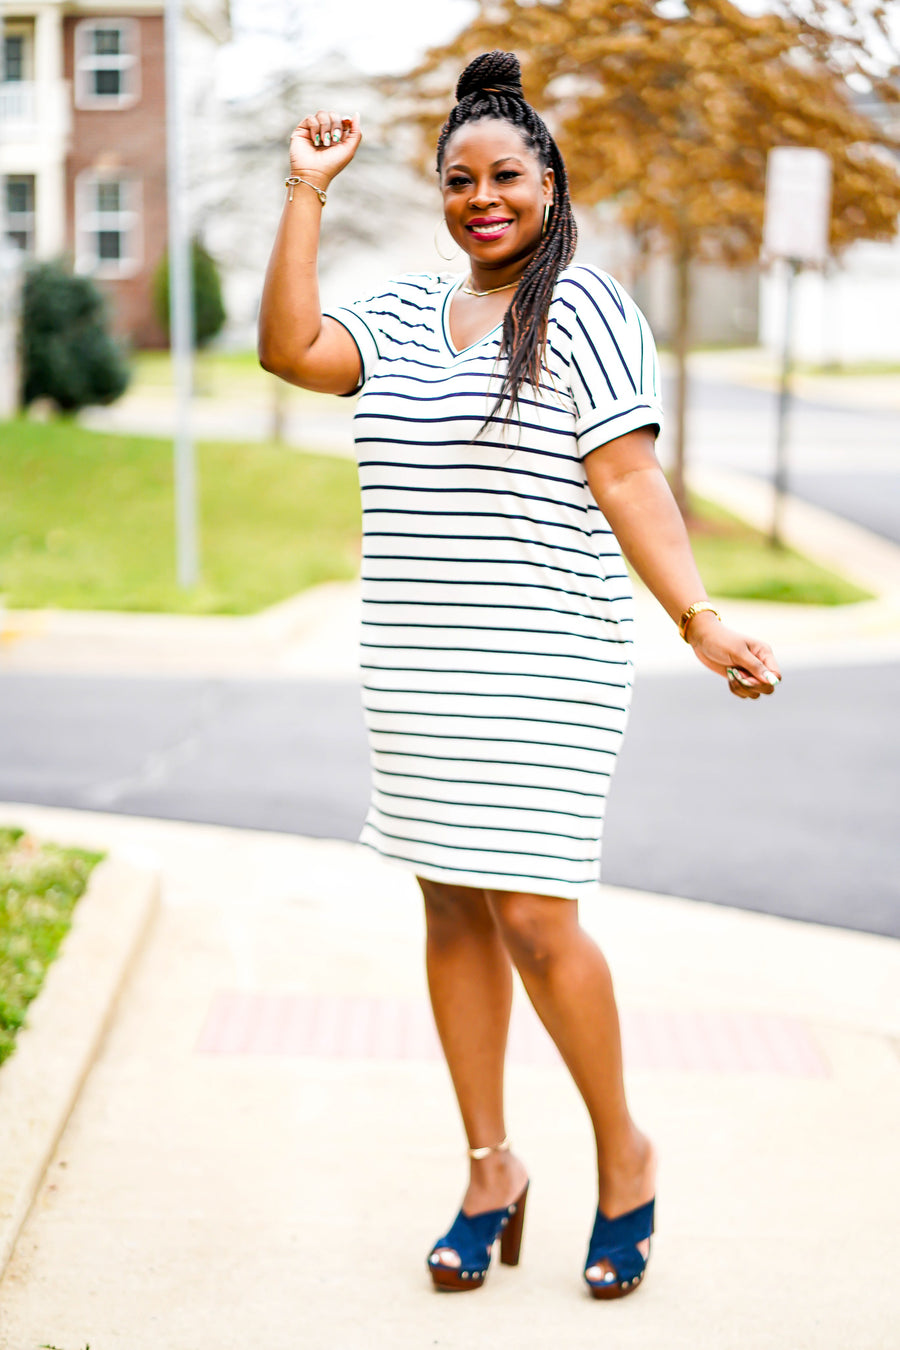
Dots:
pixel 181 318
pixel 798 215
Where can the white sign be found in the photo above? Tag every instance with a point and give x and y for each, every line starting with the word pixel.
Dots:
pixel 798 204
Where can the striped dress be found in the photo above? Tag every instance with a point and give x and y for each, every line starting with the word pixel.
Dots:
pixel 496 647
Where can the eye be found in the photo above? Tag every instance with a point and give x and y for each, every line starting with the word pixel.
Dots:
pixel 508 173
pixel 457 181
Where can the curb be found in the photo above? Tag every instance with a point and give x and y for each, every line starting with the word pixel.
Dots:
pixel 286 621
pixel 847 548
pixel 41 1081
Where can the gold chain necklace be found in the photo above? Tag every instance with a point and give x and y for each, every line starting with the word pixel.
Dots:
pixel 468 289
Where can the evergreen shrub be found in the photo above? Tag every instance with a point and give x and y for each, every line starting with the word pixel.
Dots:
pixel 209 307
pixel 68 352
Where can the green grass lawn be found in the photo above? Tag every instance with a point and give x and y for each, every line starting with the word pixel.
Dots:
pixel 88 523
pixel 853 370
pixel 39 886
pixel 737 562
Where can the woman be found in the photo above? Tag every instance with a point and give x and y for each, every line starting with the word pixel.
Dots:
pixel 506 432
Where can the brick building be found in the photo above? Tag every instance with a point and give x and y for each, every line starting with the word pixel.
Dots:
pixel 83 144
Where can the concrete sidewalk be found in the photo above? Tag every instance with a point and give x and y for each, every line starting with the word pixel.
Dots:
pixel 268 1143
pixel 309 421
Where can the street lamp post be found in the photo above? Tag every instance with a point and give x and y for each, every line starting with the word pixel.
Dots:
pixel 181 325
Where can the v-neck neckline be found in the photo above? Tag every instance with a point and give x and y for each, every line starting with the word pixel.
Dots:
pixel 445 322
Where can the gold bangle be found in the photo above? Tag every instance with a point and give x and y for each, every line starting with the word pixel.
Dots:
pixel 689 614
pixel 292 182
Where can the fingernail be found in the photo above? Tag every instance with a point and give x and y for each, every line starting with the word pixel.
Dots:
pixel 336 137
pixel 771 678
pixel 326 139
pixel 318 140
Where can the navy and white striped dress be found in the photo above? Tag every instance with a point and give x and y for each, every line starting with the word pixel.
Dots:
pixel 497 618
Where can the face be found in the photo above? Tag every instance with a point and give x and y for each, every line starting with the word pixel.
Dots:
pixel 495 190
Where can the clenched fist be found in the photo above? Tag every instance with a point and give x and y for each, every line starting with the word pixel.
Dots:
pixel 323 144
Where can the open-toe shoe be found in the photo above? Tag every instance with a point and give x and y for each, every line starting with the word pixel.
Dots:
pixel 616 1242
pixel 472 1237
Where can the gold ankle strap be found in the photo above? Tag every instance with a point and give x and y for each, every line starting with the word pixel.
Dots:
pixel 478 1153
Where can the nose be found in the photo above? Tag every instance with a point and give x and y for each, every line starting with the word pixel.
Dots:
pixel 482 196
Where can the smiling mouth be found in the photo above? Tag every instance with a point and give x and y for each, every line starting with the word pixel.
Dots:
pixel 483 230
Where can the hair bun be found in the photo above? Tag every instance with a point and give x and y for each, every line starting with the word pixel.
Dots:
pixel 490 71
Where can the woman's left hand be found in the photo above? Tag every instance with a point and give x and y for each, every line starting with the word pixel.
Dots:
pixel 747 664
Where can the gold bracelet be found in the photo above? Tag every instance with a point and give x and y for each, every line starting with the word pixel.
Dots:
pixel 689 614
pixel 292 182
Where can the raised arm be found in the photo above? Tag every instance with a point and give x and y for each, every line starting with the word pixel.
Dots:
pixel 295 341
pixel 630 488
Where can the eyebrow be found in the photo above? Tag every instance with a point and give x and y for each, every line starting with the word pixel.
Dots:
pixel 502 160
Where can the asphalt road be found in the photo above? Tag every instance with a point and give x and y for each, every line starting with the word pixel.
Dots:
pixel 843 459
pixel 787 805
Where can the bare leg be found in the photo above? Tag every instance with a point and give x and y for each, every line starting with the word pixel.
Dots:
pixel 470 983
pixel 567 979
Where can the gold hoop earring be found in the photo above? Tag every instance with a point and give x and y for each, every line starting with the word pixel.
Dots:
pixel 448 257
pixel 548 207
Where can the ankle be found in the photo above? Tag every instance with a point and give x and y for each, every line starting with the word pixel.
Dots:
pixel 494 1165
pixel 633 1162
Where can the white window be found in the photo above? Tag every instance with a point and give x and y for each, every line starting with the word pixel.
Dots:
pixel 20 212
pixel 13 58
pixel 107 65
pixel 16 76
pixel 107 225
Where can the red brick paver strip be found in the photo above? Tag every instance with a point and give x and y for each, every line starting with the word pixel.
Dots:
pixel 334 1026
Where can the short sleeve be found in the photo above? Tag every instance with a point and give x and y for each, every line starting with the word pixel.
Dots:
pixel 399 314
pixel 613 364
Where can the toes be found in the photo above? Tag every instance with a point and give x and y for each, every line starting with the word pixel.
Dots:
pixel 601 1274
pixel 446 1256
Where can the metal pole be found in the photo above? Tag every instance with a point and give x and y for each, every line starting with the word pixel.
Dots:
pixel 784 399
pixel 181 319
pixel 2 175
pixel 9 359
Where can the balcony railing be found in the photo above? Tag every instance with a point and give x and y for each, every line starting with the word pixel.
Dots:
pixel 17 103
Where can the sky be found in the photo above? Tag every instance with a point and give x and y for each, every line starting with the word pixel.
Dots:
pixel 376 36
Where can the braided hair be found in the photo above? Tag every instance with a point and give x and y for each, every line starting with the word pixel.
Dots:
pixel 491 86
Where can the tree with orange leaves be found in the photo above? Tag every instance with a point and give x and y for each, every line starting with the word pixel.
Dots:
pixel 669 109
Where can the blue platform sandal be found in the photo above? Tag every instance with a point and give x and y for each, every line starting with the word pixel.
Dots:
pixel 616 1241
pixel 472 1237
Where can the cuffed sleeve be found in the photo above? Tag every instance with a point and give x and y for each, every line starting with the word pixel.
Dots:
pixel 613 364
pixel 400 315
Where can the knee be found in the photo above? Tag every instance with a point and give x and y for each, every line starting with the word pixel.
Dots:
pixel 453 912
pixel 532 927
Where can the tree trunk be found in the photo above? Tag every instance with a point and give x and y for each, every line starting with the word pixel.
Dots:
pixel 681 340
pixel 278 408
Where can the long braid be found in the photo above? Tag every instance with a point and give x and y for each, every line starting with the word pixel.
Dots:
pixel 491 86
